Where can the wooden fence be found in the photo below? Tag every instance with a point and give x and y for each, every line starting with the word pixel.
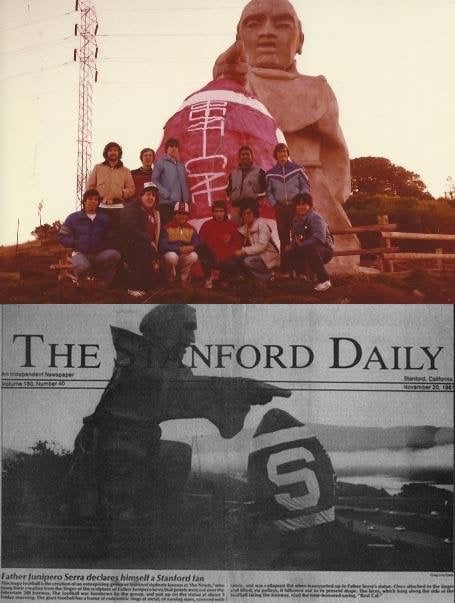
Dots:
pixel 387 254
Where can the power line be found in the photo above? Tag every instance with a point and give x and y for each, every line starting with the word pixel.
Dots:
pixel 141 82
pixel 10 77
pixel 203 34
pixel 152 60
pixel 64 91
pixel 38 21
pixel 37 46
pixel 169 8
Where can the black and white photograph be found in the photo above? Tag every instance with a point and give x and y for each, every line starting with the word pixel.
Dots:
pixel 227 438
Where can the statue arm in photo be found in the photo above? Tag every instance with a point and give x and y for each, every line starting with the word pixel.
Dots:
pixel 224 401
pixel 163 392
pixel 334 152
pixel 232 64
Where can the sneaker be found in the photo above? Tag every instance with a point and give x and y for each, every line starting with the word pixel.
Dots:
pixel 136 293
pixel 72 277
pixel 323 286
pixel 208 283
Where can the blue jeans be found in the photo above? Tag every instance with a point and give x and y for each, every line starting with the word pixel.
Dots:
pixel 314 256
pixel 102 264
pixel 253 264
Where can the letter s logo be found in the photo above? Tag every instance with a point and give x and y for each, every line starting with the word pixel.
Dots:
pixel 303 475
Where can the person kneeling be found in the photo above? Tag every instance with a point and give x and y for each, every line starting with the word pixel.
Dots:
pixel 178 242
pixel 141 228
pixel 85 232
pixel 220 239
pixel 312 243
pixel 259 254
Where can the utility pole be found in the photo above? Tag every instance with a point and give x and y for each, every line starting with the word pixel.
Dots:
pixel 40 208
pixel 88 75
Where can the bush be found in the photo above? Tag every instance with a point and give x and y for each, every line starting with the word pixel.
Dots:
pixel 47 232
pixel 410 214
pixel 33 484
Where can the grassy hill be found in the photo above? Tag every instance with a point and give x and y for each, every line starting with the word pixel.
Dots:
pixel 26 277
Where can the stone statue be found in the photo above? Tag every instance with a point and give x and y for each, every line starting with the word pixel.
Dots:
pixel 122 470
pixel 269 35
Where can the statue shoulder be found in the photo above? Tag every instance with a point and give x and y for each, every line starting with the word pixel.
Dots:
pixel 133 350
pixel 318 82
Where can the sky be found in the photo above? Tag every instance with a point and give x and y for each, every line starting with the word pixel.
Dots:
pixel 387 61
pixel 56 414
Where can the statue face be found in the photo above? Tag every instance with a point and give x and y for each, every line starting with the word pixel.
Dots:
pixel 172 327
pixel 270 32
pixel 179 337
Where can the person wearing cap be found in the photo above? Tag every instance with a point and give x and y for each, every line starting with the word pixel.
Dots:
pixel 169 173
pixel 312 242
pixel 143 173
pixel 141 226
pixel 259 255
pixel 246 180
pixel 178 243
pixel 284 181
pixel 220 240
pixel 85 232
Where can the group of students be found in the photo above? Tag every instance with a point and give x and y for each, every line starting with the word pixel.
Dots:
pixel 142 218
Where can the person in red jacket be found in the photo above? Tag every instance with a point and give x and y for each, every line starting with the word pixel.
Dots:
pixel 220 239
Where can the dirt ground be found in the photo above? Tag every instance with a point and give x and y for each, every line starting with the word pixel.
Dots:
pixel 26 277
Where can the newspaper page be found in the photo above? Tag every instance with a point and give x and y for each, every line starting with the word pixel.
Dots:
pixel 227 453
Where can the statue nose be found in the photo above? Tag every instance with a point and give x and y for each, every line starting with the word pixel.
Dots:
pixel 267 28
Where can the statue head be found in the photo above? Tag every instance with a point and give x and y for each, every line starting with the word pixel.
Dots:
pixel 170 327
pixel 271 32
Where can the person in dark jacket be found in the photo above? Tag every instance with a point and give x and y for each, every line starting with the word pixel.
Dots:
pixel 141 226
pixel 85 233
pixel 246 180
pixel 312 242
pixel 284 181
pixel 143 174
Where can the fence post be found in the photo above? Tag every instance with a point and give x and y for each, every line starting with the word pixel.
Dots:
pixel 384 265
pixel 439 263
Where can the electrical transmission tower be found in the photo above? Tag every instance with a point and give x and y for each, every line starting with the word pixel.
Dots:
pixel 87 53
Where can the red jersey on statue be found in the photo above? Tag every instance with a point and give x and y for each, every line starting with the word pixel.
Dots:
pixel 212 125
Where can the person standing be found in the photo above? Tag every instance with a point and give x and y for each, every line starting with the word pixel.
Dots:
pixel 143 174
pixel 246 180
pixel 170 175
pixel 284 181
pixel 141 230
pixel 114 183
pixel 312 242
